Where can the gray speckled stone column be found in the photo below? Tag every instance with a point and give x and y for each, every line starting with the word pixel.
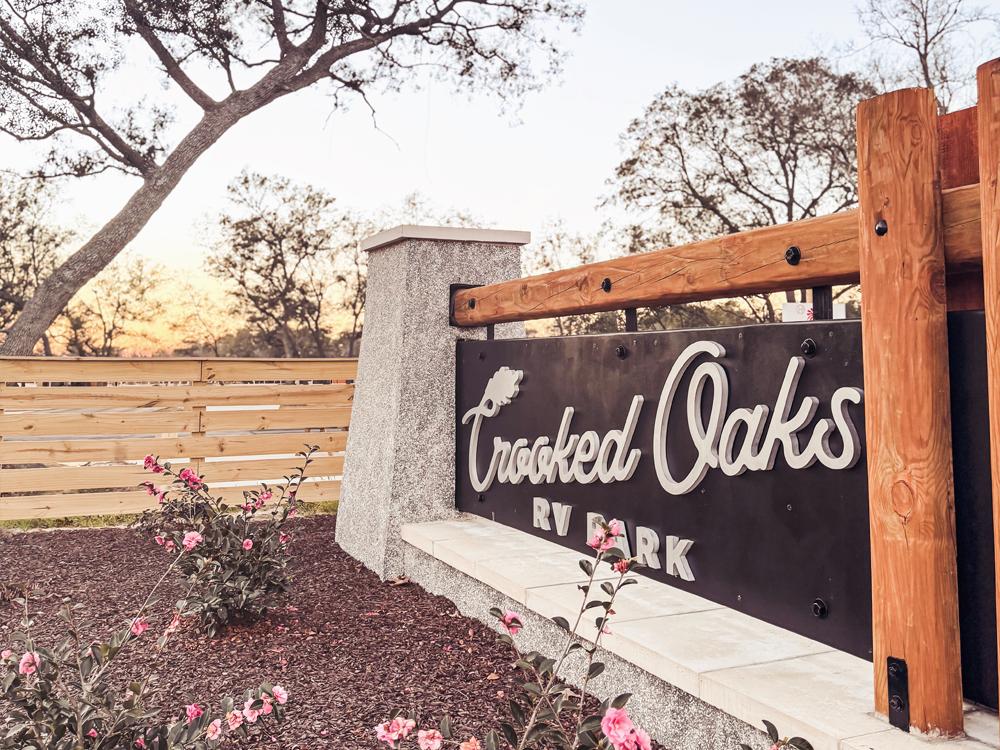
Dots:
pixel 400 464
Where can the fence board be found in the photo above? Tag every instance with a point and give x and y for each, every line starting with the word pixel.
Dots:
pixel 56 451
pixel 94 370
pixel 51 478
pixel 280 369
pixel 107 503
pixel 268 469
pixel 95 397
pixel 97 423
pixel 276 419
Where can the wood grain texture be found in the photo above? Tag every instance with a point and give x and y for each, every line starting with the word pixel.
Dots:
pixel 988 84
pixel 275 419
pixel 103 503
pixel 169 449
pixel 907 410
pixel 135 396
pixel 279 369
pixel 727 266
pixel 959 148
pixel 140 370
pixel 110 413
pixel 105 423
pixel 53 478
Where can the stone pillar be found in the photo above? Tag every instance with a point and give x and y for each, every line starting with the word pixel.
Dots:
pixel 400 464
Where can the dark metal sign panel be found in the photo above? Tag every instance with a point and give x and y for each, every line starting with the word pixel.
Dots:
pixel 722 448
pixel 735 458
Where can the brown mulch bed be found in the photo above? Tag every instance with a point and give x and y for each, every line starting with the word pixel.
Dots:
pixel 346 646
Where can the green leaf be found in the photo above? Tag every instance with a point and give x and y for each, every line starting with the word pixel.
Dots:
pixel 800 743
pixel 621 700
pixel 445 727
pixel 561 622
pixel 772 731
pixel 492 740
pixel 509 733
pixel 587 567
pixel 595 669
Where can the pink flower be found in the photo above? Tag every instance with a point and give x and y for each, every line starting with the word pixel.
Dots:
pixel 248 544
pixel 512 621
pixel 393 731
pixel 234 719
pixel 140 742
pixel 601 541
pixel 642 740
pixel 159 539
pixel 264 496
pixel 214 730
pixel 429 739
pixel 139 626
pixel 249 713
pixel 92 733
pixel 470 744
pixel 192 539
pixel 150 489
pixel 169 545
pixel 280 695
pixel 191 479
pixel 266 708
pixel 151 464
pixel 615 527
pixel 617 727
pixel 622 566
pixel 6 654
pixel 29 663
pixel 284 538
pixel 193 712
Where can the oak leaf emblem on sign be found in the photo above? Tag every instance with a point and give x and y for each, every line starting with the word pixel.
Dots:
pixel 501 389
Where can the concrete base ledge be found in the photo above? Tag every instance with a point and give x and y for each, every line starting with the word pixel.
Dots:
pixel 703 675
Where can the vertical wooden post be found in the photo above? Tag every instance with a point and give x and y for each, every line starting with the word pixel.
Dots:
pixel 198 462
pixel 988 77
pixel 907 410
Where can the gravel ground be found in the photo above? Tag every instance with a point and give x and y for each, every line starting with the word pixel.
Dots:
pixel 346 646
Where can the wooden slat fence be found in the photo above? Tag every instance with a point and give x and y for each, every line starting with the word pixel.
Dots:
pixel 74 431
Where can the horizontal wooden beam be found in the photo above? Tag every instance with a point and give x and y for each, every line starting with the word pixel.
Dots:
pixel 729 266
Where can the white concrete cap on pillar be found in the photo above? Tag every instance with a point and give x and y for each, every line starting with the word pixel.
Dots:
pixel 450 234
pixel 400 463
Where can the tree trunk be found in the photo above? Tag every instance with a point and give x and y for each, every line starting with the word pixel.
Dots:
pixel 55 292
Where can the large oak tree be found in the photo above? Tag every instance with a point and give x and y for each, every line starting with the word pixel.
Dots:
pixel 56 57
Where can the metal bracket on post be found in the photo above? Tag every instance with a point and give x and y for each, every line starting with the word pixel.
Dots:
pixel 823 303
pixel 631 320
pixel 452 290
pixel 899 693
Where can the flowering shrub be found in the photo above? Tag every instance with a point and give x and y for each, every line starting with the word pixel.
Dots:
pixel 550 713
pixel 238 557
pixel 62 698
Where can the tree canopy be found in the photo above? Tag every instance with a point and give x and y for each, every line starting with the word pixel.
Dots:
pixel 230 58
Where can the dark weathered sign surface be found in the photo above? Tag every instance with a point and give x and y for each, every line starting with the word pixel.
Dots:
pixel 734 456
pixel 730 452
